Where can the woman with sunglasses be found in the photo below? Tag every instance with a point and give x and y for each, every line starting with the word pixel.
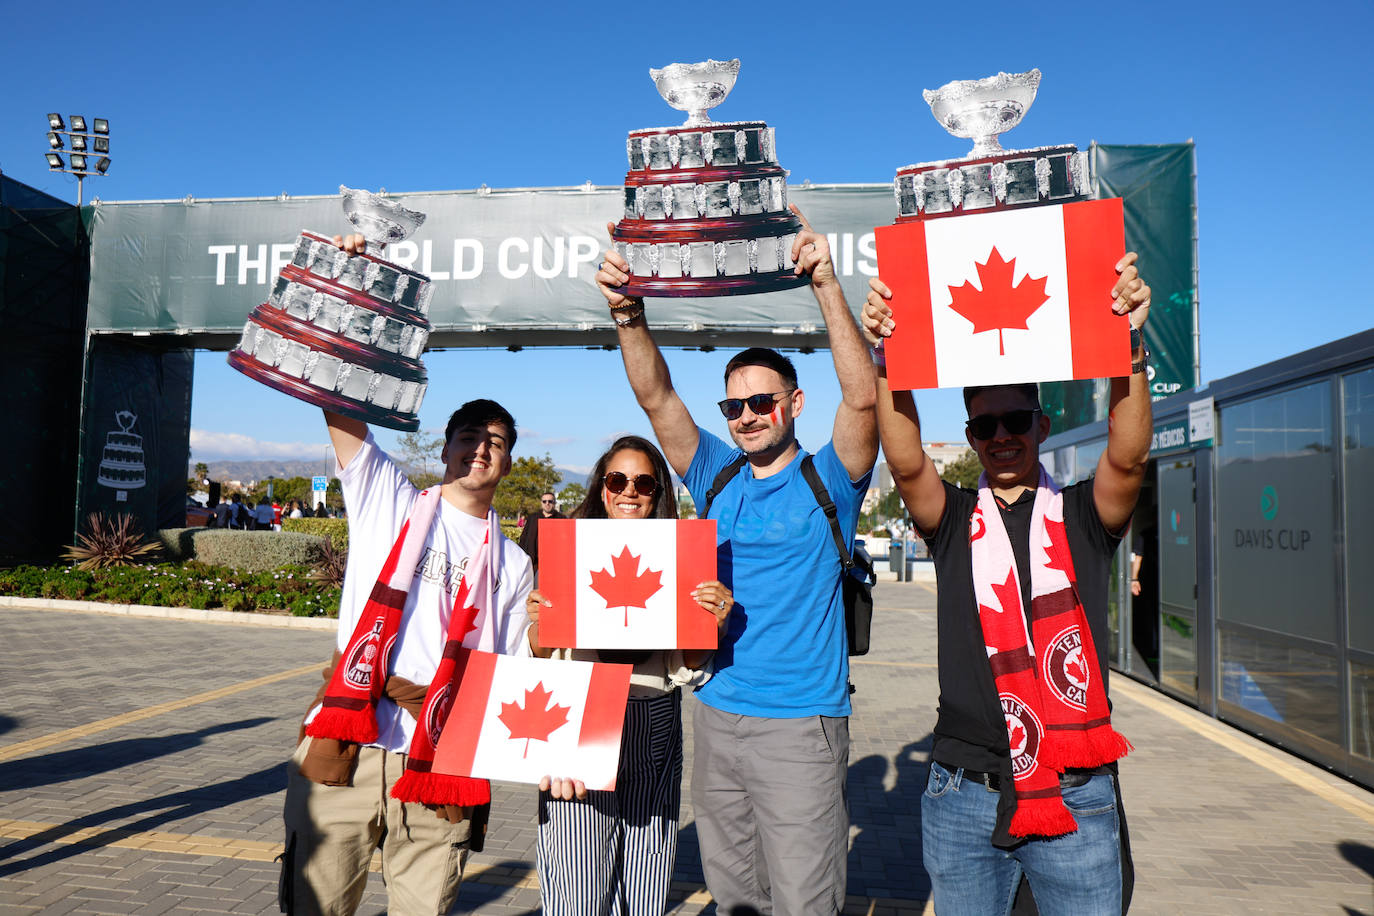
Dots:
pixel 612 852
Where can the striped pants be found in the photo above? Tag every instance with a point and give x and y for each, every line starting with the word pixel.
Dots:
pixel 612 854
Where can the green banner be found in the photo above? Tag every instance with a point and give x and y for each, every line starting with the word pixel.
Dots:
pixel 510 267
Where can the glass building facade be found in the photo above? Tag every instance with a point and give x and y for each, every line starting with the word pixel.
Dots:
pixel 1254 543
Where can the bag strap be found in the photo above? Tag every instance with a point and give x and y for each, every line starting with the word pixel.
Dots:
pixel 813 480
pixel 818 490
pixel 726 474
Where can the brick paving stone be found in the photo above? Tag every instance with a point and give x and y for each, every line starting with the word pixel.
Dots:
pixel 1212 831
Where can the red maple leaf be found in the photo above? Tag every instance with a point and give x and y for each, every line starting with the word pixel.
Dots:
pixel 999 304
pixel 1058 547
pixel 1075 671
pixel 626 587
pixel 1009 592
pixel 538 719
pixel 1018 737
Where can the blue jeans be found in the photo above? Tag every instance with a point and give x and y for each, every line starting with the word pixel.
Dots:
pixel 1078 874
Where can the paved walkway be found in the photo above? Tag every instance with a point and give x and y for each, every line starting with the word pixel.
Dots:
pixel 141 771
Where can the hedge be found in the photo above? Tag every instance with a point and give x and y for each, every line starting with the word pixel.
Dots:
pixel 336 529
pixel 194 585
pixel 250 551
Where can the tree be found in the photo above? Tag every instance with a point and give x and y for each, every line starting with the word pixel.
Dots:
pixel 571 496
pixel 197 480
pixel 529 478
pixel 964 470
pixel 685 507
pixel 419 453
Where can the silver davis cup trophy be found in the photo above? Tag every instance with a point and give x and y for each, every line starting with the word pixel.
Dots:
pixel 989 178
pixel 705 203
pixel 345 332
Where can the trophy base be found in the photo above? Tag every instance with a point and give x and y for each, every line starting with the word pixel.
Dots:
pixel 681 287
pixel 343 332
pixel 984 184
pixel 709 257
pixel 328 400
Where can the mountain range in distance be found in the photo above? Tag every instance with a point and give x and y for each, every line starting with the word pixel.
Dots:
pixel 250 471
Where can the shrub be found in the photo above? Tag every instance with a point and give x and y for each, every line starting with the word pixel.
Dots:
pixel 194 584
pixel 108 542
pixel 336 529
pixel 245 550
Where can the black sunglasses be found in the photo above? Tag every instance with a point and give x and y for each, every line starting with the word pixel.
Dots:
pixel 760 404
pixel 645 484
pixel 1015 422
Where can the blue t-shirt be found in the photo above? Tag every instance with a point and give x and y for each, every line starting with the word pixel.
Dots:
pixel 784 655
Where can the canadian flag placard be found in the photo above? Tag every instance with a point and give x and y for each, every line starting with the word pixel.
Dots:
pixel 1014 296
pixel 521 719
pixel 625 583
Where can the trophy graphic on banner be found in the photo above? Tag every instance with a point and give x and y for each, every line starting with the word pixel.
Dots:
pixel 345 332
pixel 705 203
pixel 121 461
pixel 1000 264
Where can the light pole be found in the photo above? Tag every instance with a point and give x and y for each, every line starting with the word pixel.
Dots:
pixel 86 145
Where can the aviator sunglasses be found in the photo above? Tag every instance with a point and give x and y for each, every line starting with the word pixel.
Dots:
pixel 1015 422
pixel 760 404
pixel 645 484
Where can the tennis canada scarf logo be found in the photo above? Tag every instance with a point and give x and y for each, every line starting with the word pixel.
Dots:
pixel 1055 707
pixel 349 710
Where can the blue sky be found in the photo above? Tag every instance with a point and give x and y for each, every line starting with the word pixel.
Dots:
pixel 254 99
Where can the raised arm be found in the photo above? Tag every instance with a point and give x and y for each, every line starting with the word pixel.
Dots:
pixel 899 425
pixel 645 367
pixel 345 433
pixel 1121 469
pixel 856 432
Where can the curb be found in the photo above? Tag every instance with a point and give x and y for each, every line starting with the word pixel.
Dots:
pixel 238 618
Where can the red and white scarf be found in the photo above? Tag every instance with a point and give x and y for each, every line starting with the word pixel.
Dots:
pixel 349 710
pixel 1054 705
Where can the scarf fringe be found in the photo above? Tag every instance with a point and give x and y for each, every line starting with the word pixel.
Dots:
pixel 360 726
pixel 441 789
pixel 1108 745
pixel 1042 817
pixel 1084 749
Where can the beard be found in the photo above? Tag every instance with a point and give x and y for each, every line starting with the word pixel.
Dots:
pixel 774 438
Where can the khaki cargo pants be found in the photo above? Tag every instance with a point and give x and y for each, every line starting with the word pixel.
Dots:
pixel 331 832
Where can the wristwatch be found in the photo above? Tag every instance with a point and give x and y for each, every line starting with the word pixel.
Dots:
pixel 1138 343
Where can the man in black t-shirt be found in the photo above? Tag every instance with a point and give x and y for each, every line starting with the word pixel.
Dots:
pixel 529 537
pixel 976 847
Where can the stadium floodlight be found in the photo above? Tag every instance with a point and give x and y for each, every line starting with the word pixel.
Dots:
pixel 79 163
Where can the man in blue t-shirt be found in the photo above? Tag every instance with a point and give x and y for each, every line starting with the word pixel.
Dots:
pixel 771 733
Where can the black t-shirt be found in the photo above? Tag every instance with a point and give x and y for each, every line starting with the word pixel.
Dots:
pixel 970 730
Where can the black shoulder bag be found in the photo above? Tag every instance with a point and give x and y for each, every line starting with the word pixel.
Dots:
pixel 858 568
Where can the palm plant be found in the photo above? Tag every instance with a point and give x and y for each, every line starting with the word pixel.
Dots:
pixel 110 542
